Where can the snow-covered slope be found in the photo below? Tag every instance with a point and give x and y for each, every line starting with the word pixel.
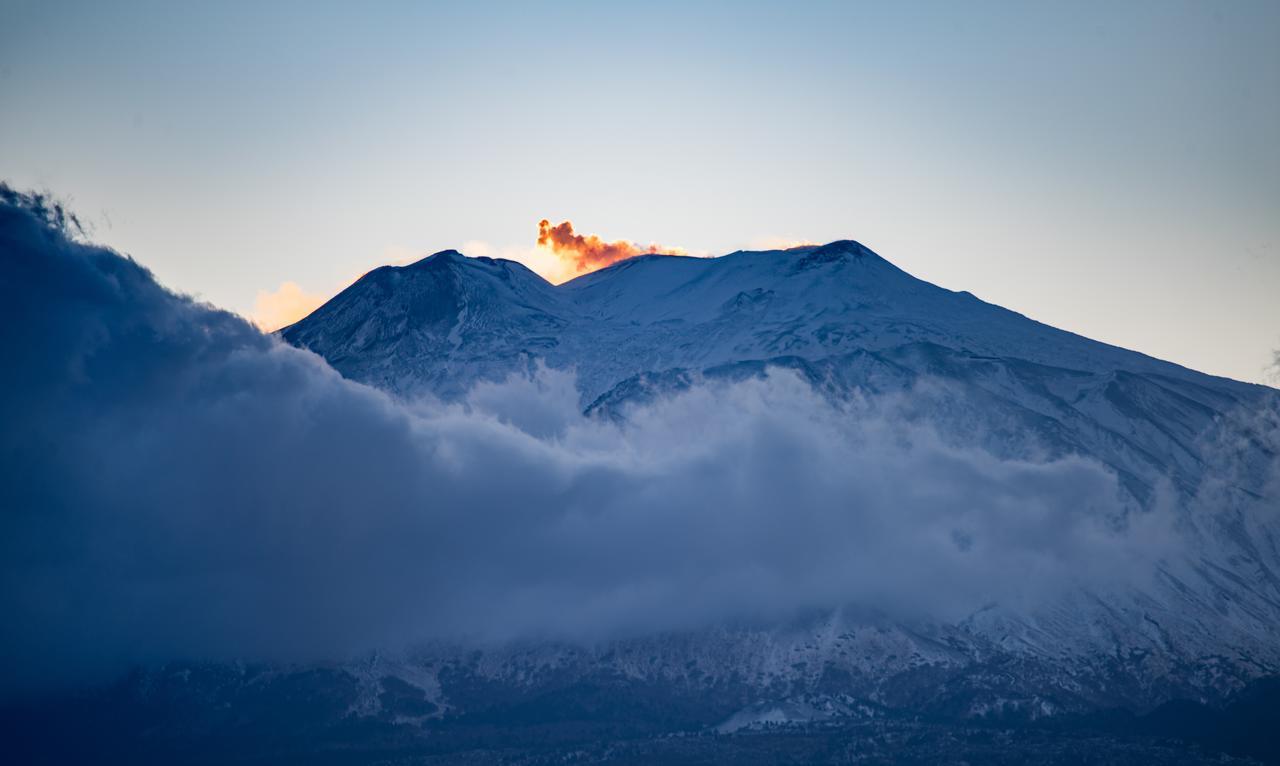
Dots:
pixel 840 314
pixel 439 324
pixel 447 320
pixel 853 324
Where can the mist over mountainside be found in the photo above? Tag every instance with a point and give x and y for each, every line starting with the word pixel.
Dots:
pixel 1195 452
pixel 782 488
pixel 839 315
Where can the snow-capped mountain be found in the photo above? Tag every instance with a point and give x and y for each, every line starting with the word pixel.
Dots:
pixel 852 324
pixel 441 323
pixel 841 315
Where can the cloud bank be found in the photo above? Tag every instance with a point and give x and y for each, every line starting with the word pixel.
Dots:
pixel 176 485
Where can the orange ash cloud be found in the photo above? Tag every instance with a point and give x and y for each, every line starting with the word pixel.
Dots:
pixel 584 254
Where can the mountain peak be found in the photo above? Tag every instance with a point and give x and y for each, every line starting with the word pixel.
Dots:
pixel 841 250
pixel 850 246
pixel 443 256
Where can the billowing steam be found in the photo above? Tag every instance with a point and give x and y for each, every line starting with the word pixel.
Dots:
pixel 583 254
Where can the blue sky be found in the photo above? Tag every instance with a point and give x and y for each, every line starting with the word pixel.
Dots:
pixel 1107 168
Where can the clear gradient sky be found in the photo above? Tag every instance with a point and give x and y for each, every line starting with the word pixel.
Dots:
pixel 1109 168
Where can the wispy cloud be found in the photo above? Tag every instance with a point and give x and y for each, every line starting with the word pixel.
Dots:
pixel 286 305
pixel 779 243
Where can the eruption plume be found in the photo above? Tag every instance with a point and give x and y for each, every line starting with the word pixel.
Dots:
pixel 582 254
